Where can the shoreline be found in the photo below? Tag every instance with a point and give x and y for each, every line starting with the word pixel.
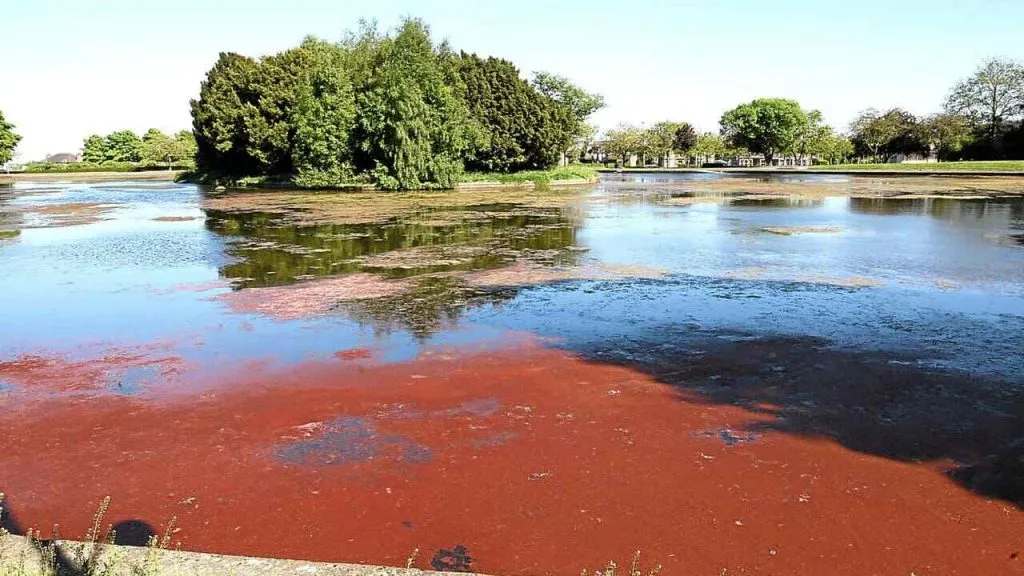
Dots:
pixel 790 171
pixel 121 560
pixel 83 177
pixel 172 176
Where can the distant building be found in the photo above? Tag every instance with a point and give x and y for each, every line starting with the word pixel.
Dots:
pixel 930 158
pixel 63 158
pixel 758 161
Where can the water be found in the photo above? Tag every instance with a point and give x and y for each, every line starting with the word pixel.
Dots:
pixel 919 276
pixel 367 357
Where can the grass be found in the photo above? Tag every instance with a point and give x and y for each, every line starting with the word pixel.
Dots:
pixel 90 557
pixel 539 177
pixel 6 234
pixel 85 167
pixel 612 569
pixel 993 166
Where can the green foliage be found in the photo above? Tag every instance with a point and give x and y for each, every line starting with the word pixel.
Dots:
pixel 8 140
pixel 952 167
pixel 880 135
pixel 579 103
pixel 709 147
pixel 540 177
pixel 82 167
pixel 766 126
pixel 414 128
pixel 159 148
pixel 990 97
pixel 394 107
pixel 623 142
pixel 123 146
pixel 218 117
pixel 522 128
pixel 325 114
pixel 94 149
pixel 948 134
pixel 685 138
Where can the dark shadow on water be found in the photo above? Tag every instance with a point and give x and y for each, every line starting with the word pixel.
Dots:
pixel 133 533
pixel 895 407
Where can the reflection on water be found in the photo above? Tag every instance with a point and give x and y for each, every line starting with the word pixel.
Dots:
pixel 730 253
pixel 270 252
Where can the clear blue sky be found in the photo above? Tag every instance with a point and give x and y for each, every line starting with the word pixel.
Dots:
pixel 72 68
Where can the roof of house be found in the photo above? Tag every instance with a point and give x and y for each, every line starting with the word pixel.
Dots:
pixel 62 158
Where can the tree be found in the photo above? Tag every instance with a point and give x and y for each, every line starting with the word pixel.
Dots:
pixel 218 117
pixel 766 126
pixel 993 95
pixel 685 138
pixel 623 142
pixel 325 114
pixel 579 103
pixel 583 142
pixel 8 140
pixel 94 149
pixel 882 134
pixel 156 147
pixel 661 139
pixel 123 146
pixel 946 133
pixel 183 148
pixel 522 128
pixel 413 127
pixel 709 146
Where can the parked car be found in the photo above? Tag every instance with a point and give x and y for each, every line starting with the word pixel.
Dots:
pixel 716 164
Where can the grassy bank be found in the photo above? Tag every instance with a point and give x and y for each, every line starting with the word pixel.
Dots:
pixel 994 166
pixel 88 167
pixel 98 176
pixel 536 177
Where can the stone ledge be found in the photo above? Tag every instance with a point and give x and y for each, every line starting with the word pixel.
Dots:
pixel 19 556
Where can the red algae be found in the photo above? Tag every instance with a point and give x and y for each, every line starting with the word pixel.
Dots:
pixel 308 299
pixel 117 372
pixel 534 460
pixel 354 354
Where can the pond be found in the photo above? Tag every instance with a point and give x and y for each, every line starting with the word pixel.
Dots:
pixel 727 373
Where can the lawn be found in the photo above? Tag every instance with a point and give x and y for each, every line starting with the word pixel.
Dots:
pixel 574 172
pixel 995 166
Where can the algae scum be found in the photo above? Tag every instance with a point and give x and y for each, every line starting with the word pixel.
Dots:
pixel 873 264
pixel 344 352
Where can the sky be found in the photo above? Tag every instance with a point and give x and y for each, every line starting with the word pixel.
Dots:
pixel 74 68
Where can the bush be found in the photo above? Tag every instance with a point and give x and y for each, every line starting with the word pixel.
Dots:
pixel 80 167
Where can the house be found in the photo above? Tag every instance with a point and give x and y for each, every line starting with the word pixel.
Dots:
pixel 758 161
pixel 63 158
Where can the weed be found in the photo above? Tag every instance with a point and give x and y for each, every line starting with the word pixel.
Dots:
pixel 612 569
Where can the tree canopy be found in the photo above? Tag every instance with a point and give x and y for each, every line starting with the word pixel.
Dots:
pixel 991 96
pixel 523 129
pixel 766 126
pixel 395 108
pixel 8 140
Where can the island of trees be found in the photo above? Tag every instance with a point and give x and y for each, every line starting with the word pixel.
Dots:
pixel 401 111
pixel 395 109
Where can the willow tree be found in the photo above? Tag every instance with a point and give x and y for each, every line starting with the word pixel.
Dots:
pixel 413 128
pixel 324 117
